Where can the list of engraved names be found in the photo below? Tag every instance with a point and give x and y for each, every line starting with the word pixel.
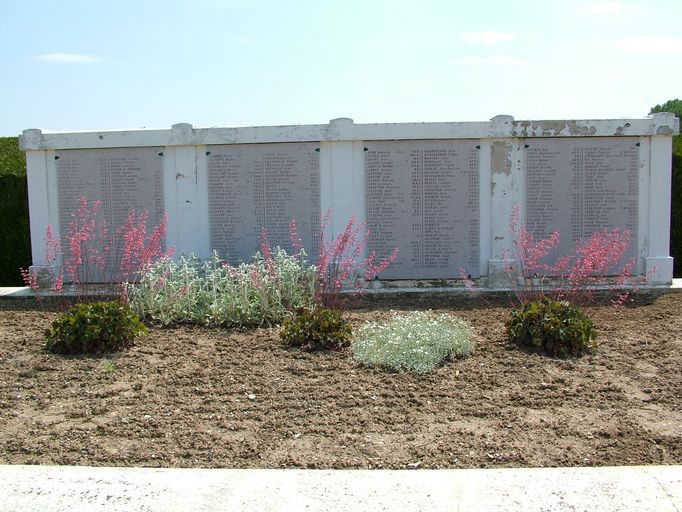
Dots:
pixel 122 179
pixel 423 198
pixel 255 186
pixel 581 186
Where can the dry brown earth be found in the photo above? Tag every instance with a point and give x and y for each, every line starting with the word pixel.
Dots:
pixel 194 397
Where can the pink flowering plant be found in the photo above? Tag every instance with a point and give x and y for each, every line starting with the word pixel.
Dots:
pixel 90 252
pixel 547 291
pixel 264 291
pixel 595 264
pixel 52 253
pixel 341 272
pixel 340 267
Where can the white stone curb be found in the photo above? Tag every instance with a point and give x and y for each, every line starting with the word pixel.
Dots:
pixel 76 489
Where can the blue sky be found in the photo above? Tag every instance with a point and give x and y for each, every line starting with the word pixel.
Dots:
pixel 88 65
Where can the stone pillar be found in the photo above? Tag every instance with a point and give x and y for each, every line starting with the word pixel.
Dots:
pixel 185 178
pixel 43 202
pixel 659 264
pixel 342 176
pixel 507 163
pixel 485 206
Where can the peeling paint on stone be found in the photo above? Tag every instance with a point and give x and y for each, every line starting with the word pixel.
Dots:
pixel 501 158
pixel 499 127
pixel 524 128
pixel 575 129
pixel 553 129
pixel 556 128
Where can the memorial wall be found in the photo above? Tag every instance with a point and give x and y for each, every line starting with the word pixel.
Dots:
pixel 442 193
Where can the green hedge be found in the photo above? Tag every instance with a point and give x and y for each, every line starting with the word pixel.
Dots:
pixel 12 159
pixel 676 214
pixel 15 245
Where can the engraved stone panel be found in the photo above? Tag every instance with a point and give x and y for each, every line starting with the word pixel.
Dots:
pixel 423 197
pixel 122 179
pixel 581 186
pixel 252 186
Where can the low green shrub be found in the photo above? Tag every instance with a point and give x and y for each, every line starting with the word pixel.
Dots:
pixel 94 328
pixel 316 329
pixel 414 342
pixel 557 328
pixel 211 292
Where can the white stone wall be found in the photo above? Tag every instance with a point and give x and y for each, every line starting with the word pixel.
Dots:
pixel 502 144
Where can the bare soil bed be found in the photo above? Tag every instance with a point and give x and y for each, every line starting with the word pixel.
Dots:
pixel 195 397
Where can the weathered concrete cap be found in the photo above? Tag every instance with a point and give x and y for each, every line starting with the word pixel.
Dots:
pixel 341 128
pixel 31 138
pixel 181 134
pixel 345 129
pixel 75 489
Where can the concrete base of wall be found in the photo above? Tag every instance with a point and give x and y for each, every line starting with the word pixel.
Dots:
pixel 498 274
pixel 380 289
pixel 659 269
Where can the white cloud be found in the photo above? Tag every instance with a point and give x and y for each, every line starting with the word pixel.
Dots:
pixel 604 8
pixel 650 45
pixel 499 59
pixel 487 38
pixel 70 58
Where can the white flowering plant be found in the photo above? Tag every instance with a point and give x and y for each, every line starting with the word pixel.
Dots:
pixel 415 342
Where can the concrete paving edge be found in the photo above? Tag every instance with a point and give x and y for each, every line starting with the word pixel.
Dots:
pixel 76 489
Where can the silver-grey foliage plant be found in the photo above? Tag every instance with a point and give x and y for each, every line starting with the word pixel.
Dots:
pixel 414 342
pixel 215 293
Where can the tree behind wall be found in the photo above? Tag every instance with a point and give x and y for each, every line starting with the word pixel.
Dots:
pixel 675 106
pixel 15 248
